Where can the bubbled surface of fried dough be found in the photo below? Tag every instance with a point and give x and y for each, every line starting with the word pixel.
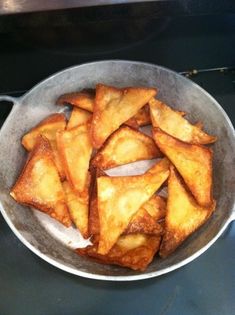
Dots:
pixel 119 198
pixel 173 123
pixel 39 184
pixel 194 163
pixel 78 208
pixel 75 150
pixel 184 215
pixel 81 99
pixel 134 251
pixel 124 146
pixel 48 127
pixel 116 106
pixel 78 117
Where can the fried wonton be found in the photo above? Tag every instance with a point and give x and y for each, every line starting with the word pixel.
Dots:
pixel 93 222
pixel 172 122
pixel 78 117
pixel 156 207
pixel 39 184
pixel 132 123
pixel 184 215
pixel 124 146
pixel 119 198
pixel 144 221
pixel 113 107
pixel 194 163
pixel 83 99
pixel 78 208
pixel 142 117
pixel 135 251
pixel 48 127
pixel 75 150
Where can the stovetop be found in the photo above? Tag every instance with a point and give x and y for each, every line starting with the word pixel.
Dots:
pixel 28 285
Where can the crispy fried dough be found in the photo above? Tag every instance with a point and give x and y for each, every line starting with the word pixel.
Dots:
pixel 75 150
pixel 172 122
pixel 143 222
pixel 156 207
pixel 143 116
pixel 48 128
pixel 113 107
pixel 78 117
pixel 78 208
pixel 194 163
pixel 124 146
pixel 119 198
pixel 184 215
pixel 84 100
pixel 39 184
pixel 135 251
pixel 93 222
pixel 132 123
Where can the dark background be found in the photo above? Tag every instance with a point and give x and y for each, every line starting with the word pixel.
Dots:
pixel 35 45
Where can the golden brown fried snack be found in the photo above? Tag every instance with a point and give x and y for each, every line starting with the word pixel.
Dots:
pixel 131 123
pixel 119 198
pixel 156 207
pixel 48 128
pixel 135 251
pixel 194 163
pixel 78 208
pixel 172 122
pixel 93 222
pixel 75 150
pixel 184 215
pixel 113 107
pixel 84 100
pixel 143 116
pixel 144 221
pixel 39 184
pixel 78 117
pixel 124 146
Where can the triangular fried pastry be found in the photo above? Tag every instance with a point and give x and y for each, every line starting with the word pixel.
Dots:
pixel 83 99
pixel 172 122
pixel 78 117
pixel 75 150
pixel 48 127
pixel 135 251
pixel 156 207
pixel 184 215
pixel 113 107
pixel 119 198
pixel 132 123
pixel 194 163
pixel 124 146
pixel 93 222
pixel 78 208
pixel 39 184
pixel 143 222
pixel 142 117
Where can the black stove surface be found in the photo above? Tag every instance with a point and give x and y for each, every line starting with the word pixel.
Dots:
pixel 27 55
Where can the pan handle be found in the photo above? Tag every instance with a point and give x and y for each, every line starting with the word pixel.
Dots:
pixel 8 99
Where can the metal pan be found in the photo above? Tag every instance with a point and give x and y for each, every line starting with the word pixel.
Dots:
pixel 48 240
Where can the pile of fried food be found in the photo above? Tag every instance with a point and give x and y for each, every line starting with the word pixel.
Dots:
pixel 126 218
